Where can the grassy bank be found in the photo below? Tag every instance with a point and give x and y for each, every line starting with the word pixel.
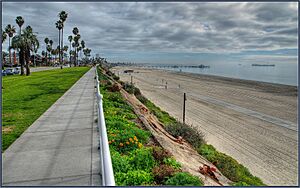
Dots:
pixel 136 159
pixel 234 171
pixel 26 98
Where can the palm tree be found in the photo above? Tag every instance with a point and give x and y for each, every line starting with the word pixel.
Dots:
pixel 44 54
pixel 82 46
pixel 59 26
pixel 26 42
pixel 4 36
pixel 10 30
pixel 49 49
pixel 79 50
pixel 46 42
pixel 20 22
pixel 75 31
pixel 87 52
pixel 74 52
pixel 63 17
pixel 76 45
pixel 70 38
pixel 51 43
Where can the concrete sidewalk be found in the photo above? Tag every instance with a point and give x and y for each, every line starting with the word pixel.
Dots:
pixel 61 147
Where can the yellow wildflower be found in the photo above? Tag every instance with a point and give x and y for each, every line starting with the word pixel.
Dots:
pixel 127 143
pixel 130 139
pixel 140 145
pixel 121 144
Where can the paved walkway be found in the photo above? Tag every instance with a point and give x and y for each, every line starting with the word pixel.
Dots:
pixel 60 148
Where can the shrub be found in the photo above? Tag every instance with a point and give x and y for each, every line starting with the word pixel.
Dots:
pixel 240 184
pixel 172 162
pixel 120 163
pixel 184 179
pixel 136 177
pixel 141 98
pixel 229 166
pixel 116 77
pixel 129 88
pixel 126 140
pixel 190 134
pixel 162 172
pixel 115 87
pixel 136 91
pixel 160 154
pixel 142 159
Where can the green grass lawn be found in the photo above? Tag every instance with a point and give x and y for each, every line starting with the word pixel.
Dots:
pixel 26 98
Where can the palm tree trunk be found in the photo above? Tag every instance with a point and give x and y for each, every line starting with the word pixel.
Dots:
pixel 18 50
pixel 70 52
pixel 59 46
pixel 22 58
pixel 46 57
pixel 62 44
pixel 9 50
pixel 27 58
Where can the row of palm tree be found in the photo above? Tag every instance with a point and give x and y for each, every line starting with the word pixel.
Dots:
pixel 24 42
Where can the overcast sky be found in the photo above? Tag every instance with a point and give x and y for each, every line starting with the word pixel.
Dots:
pixel 178 33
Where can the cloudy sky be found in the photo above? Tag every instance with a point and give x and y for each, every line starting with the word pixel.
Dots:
pixel 177 33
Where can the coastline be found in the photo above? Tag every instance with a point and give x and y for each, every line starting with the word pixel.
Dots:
pixel 242 82
pixel 260 145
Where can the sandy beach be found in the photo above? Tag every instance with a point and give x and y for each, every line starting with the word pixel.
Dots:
pixel 254 122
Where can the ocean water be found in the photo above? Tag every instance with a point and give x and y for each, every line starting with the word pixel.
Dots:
pixel 281 73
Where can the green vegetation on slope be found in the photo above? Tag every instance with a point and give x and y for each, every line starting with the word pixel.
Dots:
pixel 25 99
pixel 135 161
pixel 234 171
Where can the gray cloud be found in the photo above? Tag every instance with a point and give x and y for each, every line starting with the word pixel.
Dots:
pixel 168 27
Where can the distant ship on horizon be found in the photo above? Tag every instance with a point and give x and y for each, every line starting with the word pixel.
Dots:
pixel 264 65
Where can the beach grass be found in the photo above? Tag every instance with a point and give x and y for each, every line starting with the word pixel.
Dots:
pixel 26 98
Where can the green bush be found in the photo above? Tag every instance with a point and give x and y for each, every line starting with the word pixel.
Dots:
pixel 141 98
pixel 240 184
pixel 116 77
pixel 184 179
pixel 129 87
pixel 229 166
pixel 192 135
pixel 172 162
pixel 132 178
pixel 142 159
pixel 120 163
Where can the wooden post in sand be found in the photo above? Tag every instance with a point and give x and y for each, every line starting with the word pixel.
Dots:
pixel 131 80
pixel 184 99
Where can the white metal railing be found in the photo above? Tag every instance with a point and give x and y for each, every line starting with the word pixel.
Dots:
pixel 105 158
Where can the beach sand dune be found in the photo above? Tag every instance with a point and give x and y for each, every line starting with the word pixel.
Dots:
pixel 254 122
